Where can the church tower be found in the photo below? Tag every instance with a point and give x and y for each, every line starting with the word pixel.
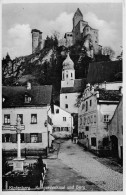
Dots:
pixel 68 73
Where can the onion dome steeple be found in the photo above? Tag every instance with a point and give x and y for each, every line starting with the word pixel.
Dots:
pixel 68 63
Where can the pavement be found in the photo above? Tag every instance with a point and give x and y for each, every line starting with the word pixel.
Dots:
pixel 85 164
pixel 60 177
pixel 71 168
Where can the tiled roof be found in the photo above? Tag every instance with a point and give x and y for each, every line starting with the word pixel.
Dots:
pixel 15 96
pixel 109 95
pixel 99 72
pixel 79 86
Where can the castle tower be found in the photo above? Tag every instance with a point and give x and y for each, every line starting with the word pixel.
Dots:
pixel 68 73
pixel 36 40
pixel 77 17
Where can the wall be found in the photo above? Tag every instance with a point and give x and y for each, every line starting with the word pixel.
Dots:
pixel 91 122
pixel 57 118
pixel 88 119
pixel 35 41
pixel 29 128
pixel 110 86
pixel 116 126
pixel 102 128
pixel 70 99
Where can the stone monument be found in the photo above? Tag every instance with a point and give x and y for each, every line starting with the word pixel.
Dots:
pixel 18 163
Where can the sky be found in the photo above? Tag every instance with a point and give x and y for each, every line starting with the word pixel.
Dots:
pixel 18 19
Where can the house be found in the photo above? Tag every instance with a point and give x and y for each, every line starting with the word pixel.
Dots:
pixel 116 132
pixel 31 104
pixel 62 121
pixel 97 107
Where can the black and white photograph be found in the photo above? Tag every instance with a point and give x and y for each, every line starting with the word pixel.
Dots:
pixel 62 96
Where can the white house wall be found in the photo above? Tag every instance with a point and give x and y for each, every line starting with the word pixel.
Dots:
pixel 57 118
pixel 70 99
pixel 104 109
pixel 94 117
pixel 110 86
pixel 29 128
pixel 116 126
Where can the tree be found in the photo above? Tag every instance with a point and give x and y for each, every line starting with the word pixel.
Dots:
pixel 108 51
pixel 120 57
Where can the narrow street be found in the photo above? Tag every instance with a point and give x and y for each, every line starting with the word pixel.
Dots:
pixel 80 169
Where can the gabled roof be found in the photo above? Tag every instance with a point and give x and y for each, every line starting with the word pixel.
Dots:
pixel 109 95
pixel 15 96
pixel 99 72
pixel 79 86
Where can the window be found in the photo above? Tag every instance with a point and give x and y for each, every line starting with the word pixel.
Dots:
pixel 64 118
pixel 88 119
pixel 84 122
pixel 7 119
pixel 82 135
pixel 90 102
pixel 80 121
pixel 87 128
pixel 106 118
pixel 57 111
pixel 6 137
pixel 66 105
pixel 86 105
pixel 65 97
pixel 63 76
pixel 27 99
pixel 64 128
pixel 66 75
pixel 94 118
pixel 22 137
pixel 34 137
pixel 93 141
pixel 91 119
pixel 71 75
pixel 33 118
pixel 83 106
pixel 21 117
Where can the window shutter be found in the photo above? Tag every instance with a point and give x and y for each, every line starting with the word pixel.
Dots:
pixel 39 137
pixel 3 138
pixel 27 137
pixel 14 138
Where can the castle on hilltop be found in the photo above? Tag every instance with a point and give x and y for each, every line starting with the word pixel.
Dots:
pixel 83 32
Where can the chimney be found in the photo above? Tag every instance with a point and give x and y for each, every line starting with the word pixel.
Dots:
pixel 28 86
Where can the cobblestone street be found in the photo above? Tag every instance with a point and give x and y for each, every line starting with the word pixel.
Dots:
pixel 74 166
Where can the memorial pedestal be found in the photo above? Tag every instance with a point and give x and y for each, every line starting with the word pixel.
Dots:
pixel 18 164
